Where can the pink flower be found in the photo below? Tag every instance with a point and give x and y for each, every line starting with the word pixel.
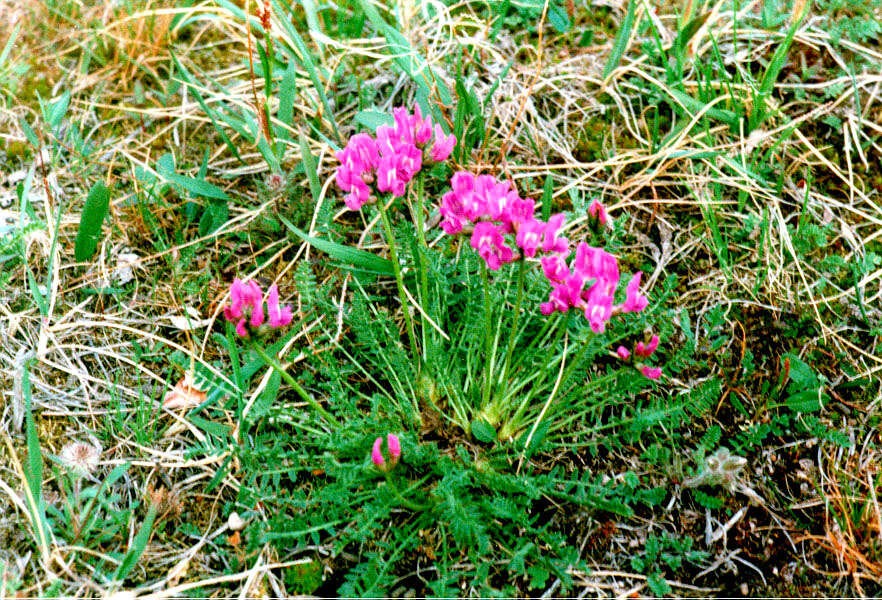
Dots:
pixel 634 300
pixel 555 268
pixel 394 447
pixel 443 146
pixel 360 154
pixel 490 244
pixel 392 159
pixel 464 186
pixel 623 353
pixel 453 212
pixel 529 237
pixel 422 128
pixel 519 211
pixel 358 197
pixel 278 316
pixel 392 175
pixel 564 295
pixel 598 212
pixel 246 307
pixel 598 264
pixel 553 243
pixel 598 308
pixel 377 454
pixel 646 350
pixel 651 372
pixel 496 195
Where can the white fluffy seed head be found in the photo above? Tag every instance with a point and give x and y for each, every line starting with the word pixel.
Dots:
pixel 80 457
pixel 235 522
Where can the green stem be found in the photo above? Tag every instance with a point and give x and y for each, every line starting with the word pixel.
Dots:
pixel 423 252
pixel 513 424
pixel 488 357
pixel 404 501
pixel 514 327
pixel 393 255
pixel 273 362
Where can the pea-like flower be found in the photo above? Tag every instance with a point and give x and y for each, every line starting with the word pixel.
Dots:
pixel 488 241
pixel 246 308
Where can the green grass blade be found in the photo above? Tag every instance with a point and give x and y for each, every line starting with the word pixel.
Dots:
pixel 191 84
pixel 6 49
pixel 305 58
pixel 139 544
pixel 311 168
pixel 696 106
pixel 359 259
pixel 620 44
pixel 407 59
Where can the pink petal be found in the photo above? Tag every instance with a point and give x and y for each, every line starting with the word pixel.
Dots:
pixel 377 454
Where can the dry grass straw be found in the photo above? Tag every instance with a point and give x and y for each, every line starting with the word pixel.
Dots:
pixel 851 483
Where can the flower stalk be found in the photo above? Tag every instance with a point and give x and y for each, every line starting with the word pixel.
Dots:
pixel 273 362
pixel 399 280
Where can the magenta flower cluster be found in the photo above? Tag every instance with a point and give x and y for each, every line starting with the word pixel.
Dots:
pixel 490 209
pixel 392 159
pixel 246 308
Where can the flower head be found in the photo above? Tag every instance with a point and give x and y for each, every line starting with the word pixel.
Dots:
pixel 392 159
pixel 598 307
pixel 394 447
pixel 520 210
pixel 634 300
pixel 80 458
pixel 453 212
pixel 246 308
pixel 422 128
pixel 529 236
pixel 274 182
pixel 552 243
pixel 555 268
pixel 623 353
pixel 377 454
pixel 564 295
pixel 278 316
pixel 646 350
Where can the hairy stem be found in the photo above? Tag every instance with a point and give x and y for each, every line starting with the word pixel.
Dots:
pixel 273 362
pixel 488 355
pixel 405 305
pixel 423 251
pixel 514 326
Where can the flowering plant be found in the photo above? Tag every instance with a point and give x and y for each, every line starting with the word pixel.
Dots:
pixel 502 228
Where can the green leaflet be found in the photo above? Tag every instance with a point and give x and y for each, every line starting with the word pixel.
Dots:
pixel 91 219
